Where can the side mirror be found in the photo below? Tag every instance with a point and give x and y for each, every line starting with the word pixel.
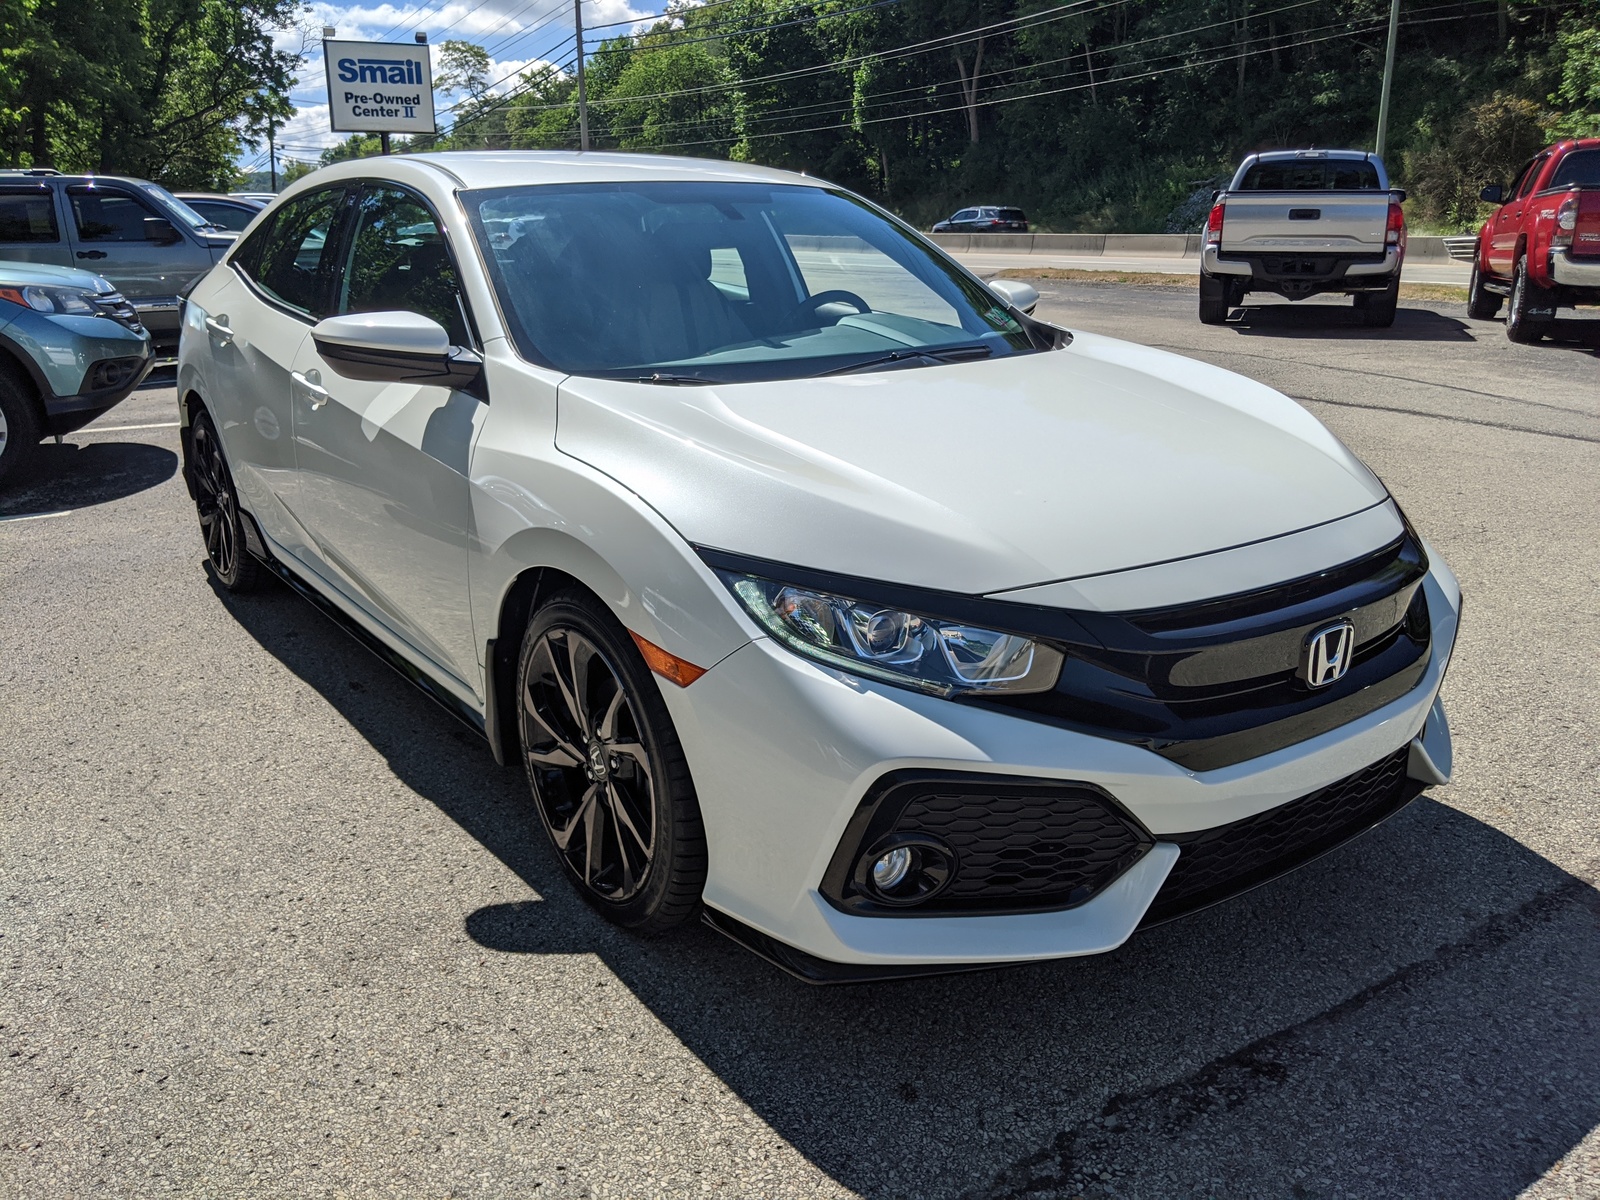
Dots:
pixel 397 347
pixel 1399 195
pixel 1493 194
pixel 160 230
pixel 1023 297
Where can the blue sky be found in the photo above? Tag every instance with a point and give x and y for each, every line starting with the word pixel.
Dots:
pixel 517 33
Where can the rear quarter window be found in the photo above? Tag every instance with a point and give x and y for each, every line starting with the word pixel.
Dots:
pixel 1012 214
pixel 28 217
pixel 1581 168
pixel 1311 175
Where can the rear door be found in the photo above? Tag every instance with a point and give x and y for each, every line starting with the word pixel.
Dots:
pixel 30 226
pixel 383 466
pixel 280 282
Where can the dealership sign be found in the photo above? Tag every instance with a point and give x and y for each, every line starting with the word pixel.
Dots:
pixel 379 87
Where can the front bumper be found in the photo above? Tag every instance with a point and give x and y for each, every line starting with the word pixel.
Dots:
pixel 1574 272
pixel 783 752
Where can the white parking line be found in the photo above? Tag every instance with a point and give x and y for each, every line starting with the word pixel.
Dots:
pixel 127 428
pixel 36 516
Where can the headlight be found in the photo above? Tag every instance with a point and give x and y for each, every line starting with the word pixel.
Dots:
pixel 53 300
pixel 945 658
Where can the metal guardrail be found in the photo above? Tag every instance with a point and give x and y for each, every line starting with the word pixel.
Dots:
pixel 1463 248
pixel 1151 245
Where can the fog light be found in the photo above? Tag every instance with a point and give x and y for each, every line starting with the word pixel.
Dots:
pixel 890 871
pixel 905 869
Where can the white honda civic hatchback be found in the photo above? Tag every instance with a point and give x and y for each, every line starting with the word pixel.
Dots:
pixel 818 586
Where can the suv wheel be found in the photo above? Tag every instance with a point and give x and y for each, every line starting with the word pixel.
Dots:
pixel 217 504
pixel 1482 305
pixel 608 775
pixel 19 424
pixel 1520 327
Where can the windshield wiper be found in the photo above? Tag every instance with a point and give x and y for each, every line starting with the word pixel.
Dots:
pixel 970 352
pixel 662 380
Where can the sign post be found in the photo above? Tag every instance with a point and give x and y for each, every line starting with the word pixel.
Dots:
pixel 379 87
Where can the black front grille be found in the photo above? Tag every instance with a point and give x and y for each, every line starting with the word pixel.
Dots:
pixel 1214 864
pixel 1019 845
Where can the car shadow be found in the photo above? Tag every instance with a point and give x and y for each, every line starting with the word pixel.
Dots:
pixel 1036 1080
pixel 69 476
pixel 1343 321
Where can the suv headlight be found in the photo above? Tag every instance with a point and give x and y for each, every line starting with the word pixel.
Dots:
pixel 944 658
pixel 73 301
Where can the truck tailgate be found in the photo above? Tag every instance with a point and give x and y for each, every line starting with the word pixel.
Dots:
pixel 1304 222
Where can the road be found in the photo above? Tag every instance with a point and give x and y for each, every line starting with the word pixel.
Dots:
pixel 276 926
pixel 989 262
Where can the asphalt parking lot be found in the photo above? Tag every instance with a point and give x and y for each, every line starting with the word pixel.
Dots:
pixel 275 925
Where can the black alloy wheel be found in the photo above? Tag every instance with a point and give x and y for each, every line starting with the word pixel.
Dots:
pixel 1482 304
pixel 607 772
pixel 1520 325
pixel 217 504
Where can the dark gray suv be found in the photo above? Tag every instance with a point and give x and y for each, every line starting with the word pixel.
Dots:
pixel 146 241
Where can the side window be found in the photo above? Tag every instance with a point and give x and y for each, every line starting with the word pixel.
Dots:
pixel 966 214
pixel 1580 168
pixel 28 217
pixel 108 216
pixel 398 261
pixel 288 258
pixel 1530 176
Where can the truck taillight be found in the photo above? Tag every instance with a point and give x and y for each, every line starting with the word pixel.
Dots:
pixel 1566 223
pixel 1214 226
pixel 1395 234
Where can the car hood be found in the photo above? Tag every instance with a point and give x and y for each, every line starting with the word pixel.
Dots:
pixel 974 477
pixel 22 274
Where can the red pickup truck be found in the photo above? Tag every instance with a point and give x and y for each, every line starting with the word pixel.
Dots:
pixel 1541 248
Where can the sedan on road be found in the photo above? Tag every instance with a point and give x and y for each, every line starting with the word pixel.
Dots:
pixel 818 587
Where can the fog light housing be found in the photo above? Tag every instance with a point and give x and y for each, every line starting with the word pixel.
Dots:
pixel 905 869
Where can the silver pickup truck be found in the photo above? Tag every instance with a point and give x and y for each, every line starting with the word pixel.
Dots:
pixel 1302 222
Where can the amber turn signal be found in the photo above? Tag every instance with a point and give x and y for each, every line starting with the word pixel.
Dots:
pixel 669 666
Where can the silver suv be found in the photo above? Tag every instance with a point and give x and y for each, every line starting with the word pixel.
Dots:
pixel 146 241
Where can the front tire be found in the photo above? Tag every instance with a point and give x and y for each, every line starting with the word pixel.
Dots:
pixel 607 772
pixel 1482 304
pixel 1520 327
pixel 216 503
pixel 1213 299
pixel 19 424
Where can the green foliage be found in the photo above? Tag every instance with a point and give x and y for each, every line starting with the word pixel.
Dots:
pixel 1486 145
pixel 166 89
pixel 463 67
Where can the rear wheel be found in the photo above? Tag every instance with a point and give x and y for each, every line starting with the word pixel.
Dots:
pixel 1520 326
pixel 1378 308
pixel 1482 304
pixel 217 505
pixel 1213 299
pixel 608 774
pixel 19 425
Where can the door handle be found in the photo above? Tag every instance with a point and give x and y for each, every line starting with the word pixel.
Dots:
pixel 217 327
pixel 316 395
pixel 91 253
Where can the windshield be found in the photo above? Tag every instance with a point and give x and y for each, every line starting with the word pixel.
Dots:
pixel 688 282
pixel 186 214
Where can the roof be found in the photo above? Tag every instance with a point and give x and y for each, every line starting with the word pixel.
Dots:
pixel 1282 155
pixel 493 168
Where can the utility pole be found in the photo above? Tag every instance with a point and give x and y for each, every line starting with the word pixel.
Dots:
pixel 272 152
pixel 583 96
pixel 1388 79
